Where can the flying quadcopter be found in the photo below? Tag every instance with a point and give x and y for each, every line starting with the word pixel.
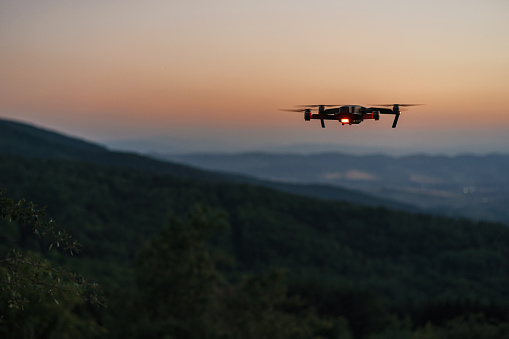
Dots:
pixel 349 114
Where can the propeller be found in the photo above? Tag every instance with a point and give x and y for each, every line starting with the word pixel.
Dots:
pixel 317 105
pixel 307 111
pixel 305 108
pixel 400 105
pixel 294 109
pixel 321 108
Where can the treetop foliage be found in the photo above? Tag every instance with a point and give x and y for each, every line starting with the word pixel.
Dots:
pixel 24 274
pixel 27 213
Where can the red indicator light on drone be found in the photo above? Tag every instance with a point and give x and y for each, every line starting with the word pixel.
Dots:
pixel 345 121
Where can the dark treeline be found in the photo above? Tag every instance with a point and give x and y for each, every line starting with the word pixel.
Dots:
pixel 194 259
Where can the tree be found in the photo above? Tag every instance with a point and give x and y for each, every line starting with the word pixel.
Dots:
pixel 184 295
pixel 259 307
pixel 177 278
pixel 25 276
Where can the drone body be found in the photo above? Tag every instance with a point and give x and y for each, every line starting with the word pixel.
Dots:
pixel 349 114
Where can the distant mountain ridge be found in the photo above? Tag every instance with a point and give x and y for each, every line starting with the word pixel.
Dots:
pixel 25 140
pixel 470 186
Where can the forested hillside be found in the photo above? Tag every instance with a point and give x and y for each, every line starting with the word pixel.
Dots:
pixel 193 258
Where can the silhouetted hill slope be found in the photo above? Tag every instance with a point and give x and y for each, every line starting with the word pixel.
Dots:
pixel 21 138
pixel 29 141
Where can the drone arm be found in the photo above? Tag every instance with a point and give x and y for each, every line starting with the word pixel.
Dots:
pixel 380 110
pixel 394 111
pixel 322 117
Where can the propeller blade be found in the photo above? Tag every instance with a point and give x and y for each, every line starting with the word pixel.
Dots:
pixel 317 105
pixel 323 123
pixel 386 110
pixel 401 105
pixel 395 120
pixel 293 110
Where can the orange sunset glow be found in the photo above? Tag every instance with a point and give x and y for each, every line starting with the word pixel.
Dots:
pixel 220 70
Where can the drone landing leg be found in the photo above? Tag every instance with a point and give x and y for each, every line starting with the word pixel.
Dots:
pixel 395 120
pixel 323 123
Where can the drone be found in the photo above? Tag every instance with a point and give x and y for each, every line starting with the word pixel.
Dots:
pixel 349 114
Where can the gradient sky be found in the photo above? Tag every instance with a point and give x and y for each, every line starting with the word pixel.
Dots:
pixel 212 74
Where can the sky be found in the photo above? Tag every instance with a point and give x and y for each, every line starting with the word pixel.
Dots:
pixel 202 75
